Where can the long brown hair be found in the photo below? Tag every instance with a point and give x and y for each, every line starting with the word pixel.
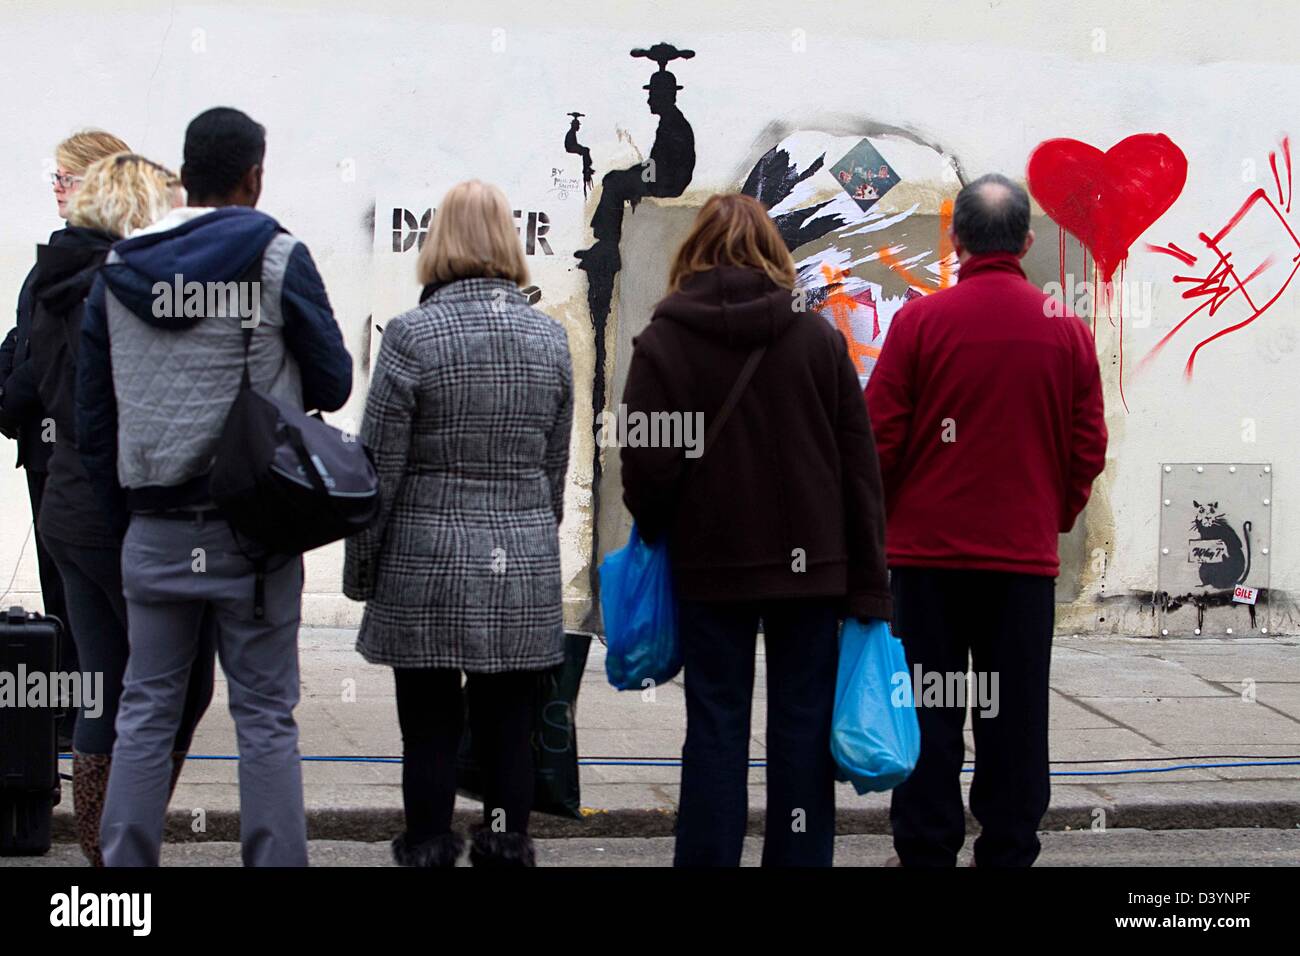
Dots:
pixel 733 230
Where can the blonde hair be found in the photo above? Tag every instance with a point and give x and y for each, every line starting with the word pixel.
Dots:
pixel 81 150
pixel 733 230
pixel 122 193
pixel 473 236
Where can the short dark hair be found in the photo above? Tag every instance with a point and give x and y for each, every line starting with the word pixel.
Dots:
pixel 991 214
pixel 221 145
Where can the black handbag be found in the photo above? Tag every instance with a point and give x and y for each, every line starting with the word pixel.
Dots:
pixel 284 478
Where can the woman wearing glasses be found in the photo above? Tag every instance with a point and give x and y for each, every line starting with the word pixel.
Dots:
pixel 21 416
pixel 121 194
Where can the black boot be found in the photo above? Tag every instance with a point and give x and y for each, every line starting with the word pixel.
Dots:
pixel 442 850
pixel 501 849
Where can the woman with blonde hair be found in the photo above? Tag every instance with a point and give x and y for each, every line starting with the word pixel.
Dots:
pixel 780 520
pixel 118 195
pixel 468 416
pixel 21 415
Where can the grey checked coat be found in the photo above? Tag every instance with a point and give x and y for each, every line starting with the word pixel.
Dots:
pixel 468 416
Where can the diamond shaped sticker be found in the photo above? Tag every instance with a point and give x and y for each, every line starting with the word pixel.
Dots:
pixel 864 174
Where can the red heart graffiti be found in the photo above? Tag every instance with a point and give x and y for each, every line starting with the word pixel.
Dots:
pixel 1107 200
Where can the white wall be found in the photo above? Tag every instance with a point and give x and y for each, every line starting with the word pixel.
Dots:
pixel 365 102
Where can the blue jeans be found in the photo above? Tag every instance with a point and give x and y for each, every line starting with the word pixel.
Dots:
pixel 800 639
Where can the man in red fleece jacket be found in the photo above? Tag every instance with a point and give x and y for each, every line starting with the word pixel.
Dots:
pixel 986 405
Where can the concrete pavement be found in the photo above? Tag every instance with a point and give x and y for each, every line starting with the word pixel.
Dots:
pixel 1119 847
pixel 1113 700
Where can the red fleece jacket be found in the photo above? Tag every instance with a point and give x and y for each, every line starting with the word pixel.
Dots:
pixel 986 405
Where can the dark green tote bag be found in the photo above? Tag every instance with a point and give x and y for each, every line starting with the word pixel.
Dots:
pixel 555 738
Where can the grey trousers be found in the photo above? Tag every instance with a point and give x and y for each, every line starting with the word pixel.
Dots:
pixel 171 572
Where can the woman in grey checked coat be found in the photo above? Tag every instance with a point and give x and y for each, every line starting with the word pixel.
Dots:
pixel 468 417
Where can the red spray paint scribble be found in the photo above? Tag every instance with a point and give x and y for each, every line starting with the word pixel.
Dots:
pixel 1222 280
pixel 1106 201
pixel 1182 255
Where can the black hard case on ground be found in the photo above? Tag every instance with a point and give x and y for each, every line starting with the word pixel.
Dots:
pixel 29 756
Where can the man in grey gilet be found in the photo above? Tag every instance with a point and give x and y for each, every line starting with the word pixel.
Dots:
pixel 161 357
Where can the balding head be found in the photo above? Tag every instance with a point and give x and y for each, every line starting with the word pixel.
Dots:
pixel 991 214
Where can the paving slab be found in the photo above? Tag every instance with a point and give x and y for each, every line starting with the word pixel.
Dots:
pixel 1122 704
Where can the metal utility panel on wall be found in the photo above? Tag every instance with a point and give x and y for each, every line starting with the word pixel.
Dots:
pixel 1214 549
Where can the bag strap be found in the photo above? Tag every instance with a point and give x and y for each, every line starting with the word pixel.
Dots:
pixel 252 274
pixel 733 398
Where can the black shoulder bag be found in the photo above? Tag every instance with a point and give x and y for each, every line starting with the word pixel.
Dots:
pixel 284 478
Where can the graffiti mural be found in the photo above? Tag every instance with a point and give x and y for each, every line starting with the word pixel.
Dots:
pixel 866 219
pixel 1232 270
pixel 1221 555
pixel 1213 566
pixel 571 145
pixel 664 174
pixel 1106 201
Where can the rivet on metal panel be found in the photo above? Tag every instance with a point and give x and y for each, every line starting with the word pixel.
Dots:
pixel 1265 502
pixel 1267 469
pixel 1200 468
pixel 1229 630
pixel 1264 550
pixel 1197 631
pixel 1166 502
pixel 1232 469
pixel 1168 469
pixel 1164 550
pixel 1263 630
pixel 1164 632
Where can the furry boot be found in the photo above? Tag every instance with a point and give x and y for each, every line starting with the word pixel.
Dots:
pixel 501 849
pixel 89 784
pixel 443 850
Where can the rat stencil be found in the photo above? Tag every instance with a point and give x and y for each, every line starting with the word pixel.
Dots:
pixel 1224 561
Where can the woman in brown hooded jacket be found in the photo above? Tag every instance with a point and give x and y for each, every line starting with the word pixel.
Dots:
pixel 781 521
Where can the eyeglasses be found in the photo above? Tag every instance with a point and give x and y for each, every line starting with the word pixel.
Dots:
pixel 66 180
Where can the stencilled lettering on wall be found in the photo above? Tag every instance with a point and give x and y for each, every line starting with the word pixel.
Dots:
pixel 410 230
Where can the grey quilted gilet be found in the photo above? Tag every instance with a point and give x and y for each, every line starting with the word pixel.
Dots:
pixel 175 387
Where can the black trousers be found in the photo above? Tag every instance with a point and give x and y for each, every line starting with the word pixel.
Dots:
pixel 996 624
pixel 430 711
pixel 800 638
pixel 52 596
pixel 92 579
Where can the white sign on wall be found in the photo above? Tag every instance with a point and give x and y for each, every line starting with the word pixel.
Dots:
pixel 549 218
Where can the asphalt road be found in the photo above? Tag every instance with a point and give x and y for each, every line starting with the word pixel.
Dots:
pixel 1116 847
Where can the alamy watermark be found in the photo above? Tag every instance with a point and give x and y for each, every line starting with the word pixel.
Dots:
pixel 181 299
pixel 978 690
pixel 57 689
pixel 624 429
pixel 1086 298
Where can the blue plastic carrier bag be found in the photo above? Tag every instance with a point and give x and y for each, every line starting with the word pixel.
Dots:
pixel 640 611
pixel 875 738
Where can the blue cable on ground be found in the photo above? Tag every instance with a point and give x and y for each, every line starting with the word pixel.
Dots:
pixel 676 762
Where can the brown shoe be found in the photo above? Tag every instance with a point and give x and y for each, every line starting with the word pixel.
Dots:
pixel 89 784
